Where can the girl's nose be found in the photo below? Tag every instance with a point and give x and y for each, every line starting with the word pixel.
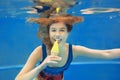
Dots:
pixel 57 33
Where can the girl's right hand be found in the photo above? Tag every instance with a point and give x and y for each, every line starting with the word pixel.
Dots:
pixel 51 60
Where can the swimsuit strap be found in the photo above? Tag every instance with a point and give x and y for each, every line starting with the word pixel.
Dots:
pixel 70 56
pixel 44 54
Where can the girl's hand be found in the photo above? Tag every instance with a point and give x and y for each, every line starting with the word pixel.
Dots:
pixel 51 60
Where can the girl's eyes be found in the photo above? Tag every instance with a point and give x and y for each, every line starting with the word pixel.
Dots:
pixel 62 30
pixel 53 30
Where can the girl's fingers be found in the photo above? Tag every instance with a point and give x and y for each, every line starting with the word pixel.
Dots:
pixel 56 58
pixel 53 62
pixel 51 59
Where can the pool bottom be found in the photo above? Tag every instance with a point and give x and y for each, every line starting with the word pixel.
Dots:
pixel 93 72
pixel 77 72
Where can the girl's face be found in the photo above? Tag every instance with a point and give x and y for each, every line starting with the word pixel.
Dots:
pixel 58 31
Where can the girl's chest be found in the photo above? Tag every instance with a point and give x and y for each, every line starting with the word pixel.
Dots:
pixel 63 61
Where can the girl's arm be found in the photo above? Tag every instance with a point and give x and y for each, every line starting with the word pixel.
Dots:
pixel 107 54
pixel 29 71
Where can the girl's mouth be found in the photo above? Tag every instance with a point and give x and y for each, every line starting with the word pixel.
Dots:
pixel 59 40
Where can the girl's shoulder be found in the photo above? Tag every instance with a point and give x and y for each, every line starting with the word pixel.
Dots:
pixel 77 49
pixel 37 53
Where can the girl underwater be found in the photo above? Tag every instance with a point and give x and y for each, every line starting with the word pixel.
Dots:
pixel 52 67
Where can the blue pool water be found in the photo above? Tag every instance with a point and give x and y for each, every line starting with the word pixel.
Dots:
pixel 99 30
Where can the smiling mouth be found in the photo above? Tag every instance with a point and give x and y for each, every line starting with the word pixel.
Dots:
pixel 59 40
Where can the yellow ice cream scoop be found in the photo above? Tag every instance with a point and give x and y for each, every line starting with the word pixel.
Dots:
pixel 55 48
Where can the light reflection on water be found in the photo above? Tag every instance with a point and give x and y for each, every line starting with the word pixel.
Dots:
pixel 20 8
pixel 22 11
pixel 99 10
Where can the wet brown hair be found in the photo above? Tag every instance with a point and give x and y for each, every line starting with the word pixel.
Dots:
pixel 43 33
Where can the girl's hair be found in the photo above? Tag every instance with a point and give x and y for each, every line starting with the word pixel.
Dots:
pixel 43 33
